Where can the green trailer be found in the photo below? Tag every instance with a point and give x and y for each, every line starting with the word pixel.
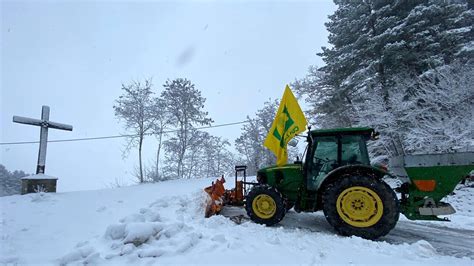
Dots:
pixel 428 178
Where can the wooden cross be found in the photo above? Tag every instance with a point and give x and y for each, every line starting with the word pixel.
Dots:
pixel 44 123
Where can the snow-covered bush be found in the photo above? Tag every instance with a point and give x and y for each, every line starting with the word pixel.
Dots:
pixel 10 182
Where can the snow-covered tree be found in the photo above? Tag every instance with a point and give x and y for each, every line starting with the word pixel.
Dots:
pixel 250 145
pixel 184 106
pixel 208 156
pixel 440 118
pixel 194 158
pixel 159 127
pixel 135 107
pixel 10 182
pixel 218 158
pixel 381 52
pixel 326 108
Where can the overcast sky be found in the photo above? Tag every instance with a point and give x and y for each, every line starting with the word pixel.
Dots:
pixel 74 57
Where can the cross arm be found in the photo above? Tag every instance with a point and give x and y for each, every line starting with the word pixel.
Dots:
pixel 59 126
pixel 27 120
pixel 41 123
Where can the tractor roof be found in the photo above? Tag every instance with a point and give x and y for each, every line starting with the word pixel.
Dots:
pixel 343 131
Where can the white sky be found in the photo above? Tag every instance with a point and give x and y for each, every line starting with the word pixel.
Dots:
pixel 74 56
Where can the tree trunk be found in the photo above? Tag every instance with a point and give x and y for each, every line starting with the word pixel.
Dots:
pixel 180 163
pixel 218 162
pixel 140 157
pixel 182 149
pixel 191 166
pixel 157 173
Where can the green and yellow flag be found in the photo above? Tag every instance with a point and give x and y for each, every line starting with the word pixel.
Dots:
pixel 288 122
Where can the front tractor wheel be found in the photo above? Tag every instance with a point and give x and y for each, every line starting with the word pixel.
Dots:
pixel 265 205
pixel 361 206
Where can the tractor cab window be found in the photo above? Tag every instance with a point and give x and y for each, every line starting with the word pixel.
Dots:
pixel 324 159
pixel 353 150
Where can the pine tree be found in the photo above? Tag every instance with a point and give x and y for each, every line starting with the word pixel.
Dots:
pixel 376 46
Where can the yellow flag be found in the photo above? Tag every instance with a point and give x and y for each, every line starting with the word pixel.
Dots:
pixel 288 122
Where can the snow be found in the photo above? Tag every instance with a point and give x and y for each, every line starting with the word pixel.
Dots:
pixel 164 224
pixel 459 30
pixel 39 176
pixel 468 47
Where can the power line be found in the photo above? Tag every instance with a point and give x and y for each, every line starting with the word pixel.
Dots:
pixel 118 136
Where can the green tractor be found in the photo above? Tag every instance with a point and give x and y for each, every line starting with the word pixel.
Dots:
pixel 337 178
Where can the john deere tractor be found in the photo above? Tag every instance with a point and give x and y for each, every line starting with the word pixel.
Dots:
pixel 337 178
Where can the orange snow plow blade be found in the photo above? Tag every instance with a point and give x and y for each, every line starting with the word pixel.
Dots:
pixel 215 201
pixel 219 196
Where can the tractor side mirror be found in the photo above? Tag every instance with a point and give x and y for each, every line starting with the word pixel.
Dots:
pixel 293 142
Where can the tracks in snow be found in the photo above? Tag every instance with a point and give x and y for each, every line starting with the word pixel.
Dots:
pixel 447 241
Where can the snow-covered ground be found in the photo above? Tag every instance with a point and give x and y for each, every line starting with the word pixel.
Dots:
pixel 164 224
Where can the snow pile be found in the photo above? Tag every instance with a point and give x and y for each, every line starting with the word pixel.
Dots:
pixel 164 224
pixel 145 234
pixel 39 228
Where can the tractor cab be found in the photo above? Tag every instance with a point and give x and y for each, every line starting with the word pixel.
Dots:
pixel 331 149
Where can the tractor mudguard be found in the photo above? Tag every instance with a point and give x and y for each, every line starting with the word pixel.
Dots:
pixel 355 169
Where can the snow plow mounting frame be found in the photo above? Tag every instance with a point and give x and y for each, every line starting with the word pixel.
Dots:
pixel 219 196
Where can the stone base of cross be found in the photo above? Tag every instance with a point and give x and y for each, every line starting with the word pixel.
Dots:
pixel 41 182
pixel 38 183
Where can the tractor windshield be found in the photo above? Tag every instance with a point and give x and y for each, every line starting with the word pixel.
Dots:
pixel 326 157
pixel 354 150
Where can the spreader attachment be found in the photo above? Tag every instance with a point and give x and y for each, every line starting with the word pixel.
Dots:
pixel 428 179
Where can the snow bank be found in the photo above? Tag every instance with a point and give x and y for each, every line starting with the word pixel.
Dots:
pixel 165 224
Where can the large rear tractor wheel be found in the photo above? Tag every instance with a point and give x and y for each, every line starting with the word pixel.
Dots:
pixel 265 205
pixel 361 205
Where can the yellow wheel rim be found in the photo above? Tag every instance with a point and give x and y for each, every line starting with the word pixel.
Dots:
pixel 359 206
pixel 264 206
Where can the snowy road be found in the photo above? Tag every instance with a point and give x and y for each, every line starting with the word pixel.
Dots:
pixel 447 241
